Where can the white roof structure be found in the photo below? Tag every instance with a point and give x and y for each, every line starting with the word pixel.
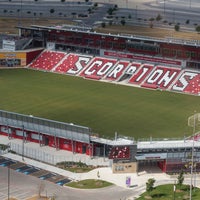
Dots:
pixel 118 141
pixel 168 144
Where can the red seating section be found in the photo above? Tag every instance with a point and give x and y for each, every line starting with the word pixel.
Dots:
pixel 118 70
pixel 98 68
pixel 161 77
pixel 120 152
pixel 141 75
pixel 188 82
pixel 47 60
pixel 72 62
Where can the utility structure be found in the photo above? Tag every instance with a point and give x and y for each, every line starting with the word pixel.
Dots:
pixel 193 121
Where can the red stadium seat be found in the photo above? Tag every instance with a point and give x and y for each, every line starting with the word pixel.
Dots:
pixel 47 60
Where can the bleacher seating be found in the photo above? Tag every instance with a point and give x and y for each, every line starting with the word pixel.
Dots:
pixel 161 77
pixel 120 152
pixel 47 60
pixel 194 86
pixel 141 74
pixel 98 68
pixel 118 70
pixel 188 82
pixel 67 63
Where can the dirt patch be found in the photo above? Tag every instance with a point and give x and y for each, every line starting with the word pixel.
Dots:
pixel 38 198
pixel 148 197
pixel 8 25
pixel 151 32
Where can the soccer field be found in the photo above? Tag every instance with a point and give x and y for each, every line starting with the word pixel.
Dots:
pixel 105 108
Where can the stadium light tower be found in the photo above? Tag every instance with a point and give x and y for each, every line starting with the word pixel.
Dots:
pixel 192 121
pixel 8 175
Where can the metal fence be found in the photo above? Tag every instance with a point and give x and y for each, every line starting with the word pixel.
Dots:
pixel 53 158
pixel 2 152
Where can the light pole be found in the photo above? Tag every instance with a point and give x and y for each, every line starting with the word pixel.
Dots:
pixel 174 189
pixel 192 122
pixel 23 143
pixel 8 176
pixel 21 13
pixel 136 10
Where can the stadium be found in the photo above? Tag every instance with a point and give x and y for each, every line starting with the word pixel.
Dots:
pixel 156 64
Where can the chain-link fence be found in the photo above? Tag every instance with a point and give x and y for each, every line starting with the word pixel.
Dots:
pixel 53 158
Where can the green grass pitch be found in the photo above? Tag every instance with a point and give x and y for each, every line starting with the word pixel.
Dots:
pixel 105 108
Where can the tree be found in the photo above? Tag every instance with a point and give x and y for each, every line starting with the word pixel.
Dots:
pixel 150 185
pixel 198 29
pixel 89 10
pixel 73 14
pixel 159 17
pixel 62 1
pixel 123 22
pixel 177 27
pixel 187 21
pixel 52 11
pixel 41 188
pixel 115 7
pixel 110 22
pixel 103 24
pixel 95 5
pixel 180 178
pixel 110 11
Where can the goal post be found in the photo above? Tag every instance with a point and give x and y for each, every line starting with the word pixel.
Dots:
pixel 194 120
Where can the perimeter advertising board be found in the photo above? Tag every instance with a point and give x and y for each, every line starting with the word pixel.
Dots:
pixel 12 59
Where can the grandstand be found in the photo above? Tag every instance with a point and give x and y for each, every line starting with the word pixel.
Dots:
pixel 120 71
pixel 152 63
pixel 164 64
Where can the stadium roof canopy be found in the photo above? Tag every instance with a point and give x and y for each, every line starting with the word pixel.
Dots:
pixel 45 126
pixel 129 37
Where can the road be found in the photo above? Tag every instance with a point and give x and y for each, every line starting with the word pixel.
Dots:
pixel 23 186
pixel 172 11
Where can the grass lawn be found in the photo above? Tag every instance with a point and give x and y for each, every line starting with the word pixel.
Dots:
pixel 89 184
pixel 104 107
pixel 166 192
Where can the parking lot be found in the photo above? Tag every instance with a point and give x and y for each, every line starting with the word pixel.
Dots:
pixel 33 171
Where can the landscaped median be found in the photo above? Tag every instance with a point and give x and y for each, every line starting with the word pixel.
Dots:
pixel 89 184
pixel 169 191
